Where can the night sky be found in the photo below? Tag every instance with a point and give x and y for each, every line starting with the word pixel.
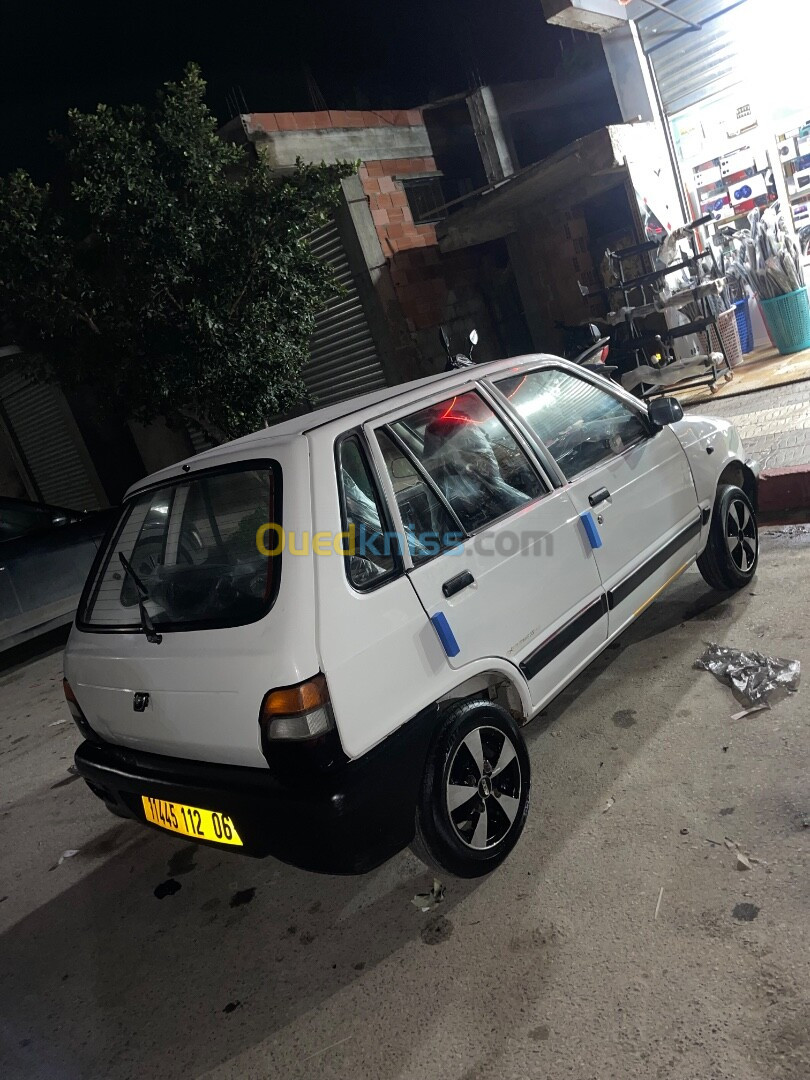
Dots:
pixel 360 54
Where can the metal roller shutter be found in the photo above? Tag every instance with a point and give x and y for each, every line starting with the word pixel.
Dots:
pixel 200 442
pixel 343 357
pixel 692 65
pixel 51 451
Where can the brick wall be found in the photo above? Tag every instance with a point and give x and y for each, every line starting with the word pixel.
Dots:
pixel 429 289
pixel 332 118
pixel 432 289
pixel 422 288
pixel 385 191
pixel 446 290
pixel 411 250
pixel 560 242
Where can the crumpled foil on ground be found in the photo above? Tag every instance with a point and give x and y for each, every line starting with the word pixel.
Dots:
pixel 752 674
pixel 430 900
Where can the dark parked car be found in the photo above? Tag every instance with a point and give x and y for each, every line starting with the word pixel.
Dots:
pixel 19 517
pixel 45 555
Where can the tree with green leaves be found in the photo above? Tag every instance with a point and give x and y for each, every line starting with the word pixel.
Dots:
pixel 171 274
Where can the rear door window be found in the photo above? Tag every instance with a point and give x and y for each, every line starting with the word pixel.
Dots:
pixel 429 523
pixel 474 464
pixel 199 550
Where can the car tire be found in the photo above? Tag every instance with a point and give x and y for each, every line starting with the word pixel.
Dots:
pixel 729 560
pixel 478 746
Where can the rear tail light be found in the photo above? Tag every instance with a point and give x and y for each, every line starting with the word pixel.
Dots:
pixel 76 712
pixel 296 712
pixel 605 354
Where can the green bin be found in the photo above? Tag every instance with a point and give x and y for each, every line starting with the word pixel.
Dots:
pixel 788 321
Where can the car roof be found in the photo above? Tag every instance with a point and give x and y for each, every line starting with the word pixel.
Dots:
pixel 271 438
pixel 309 421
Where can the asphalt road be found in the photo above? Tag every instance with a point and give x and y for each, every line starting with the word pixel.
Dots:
pixel 143 956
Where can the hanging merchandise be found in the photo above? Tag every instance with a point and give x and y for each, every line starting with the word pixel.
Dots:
pixel 767 259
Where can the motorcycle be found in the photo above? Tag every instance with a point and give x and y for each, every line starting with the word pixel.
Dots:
pixel 456 361
pixel 592 358
pixel 585 346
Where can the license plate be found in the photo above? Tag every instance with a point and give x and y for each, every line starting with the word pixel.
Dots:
pixel 190 821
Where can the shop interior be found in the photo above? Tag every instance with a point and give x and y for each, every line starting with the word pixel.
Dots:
pixel 742 154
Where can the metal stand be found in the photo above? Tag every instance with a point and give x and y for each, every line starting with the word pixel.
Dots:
pixel 715 363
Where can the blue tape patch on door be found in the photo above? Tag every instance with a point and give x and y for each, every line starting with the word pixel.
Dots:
pixel 445 634
pixel 590 528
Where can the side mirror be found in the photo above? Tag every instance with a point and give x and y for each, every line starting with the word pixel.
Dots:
pixel 664 411
pixel 474 337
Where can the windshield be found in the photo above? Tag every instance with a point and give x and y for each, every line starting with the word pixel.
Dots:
pixel 189 549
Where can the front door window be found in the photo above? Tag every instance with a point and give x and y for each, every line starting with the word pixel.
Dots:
pixel 581 424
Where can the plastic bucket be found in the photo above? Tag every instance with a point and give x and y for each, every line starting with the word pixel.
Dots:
pixel 744 326
pixel 788 321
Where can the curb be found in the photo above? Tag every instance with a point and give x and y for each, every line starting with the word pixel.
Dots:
pixel 785 493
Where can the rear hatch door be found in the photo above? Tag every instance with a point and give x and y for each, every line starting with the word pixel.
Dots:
pixel 231 624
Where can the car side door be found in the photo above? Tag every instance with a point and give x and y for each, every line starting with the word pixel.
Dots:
pixel 494 549
pixel 377 648
pixel 631 480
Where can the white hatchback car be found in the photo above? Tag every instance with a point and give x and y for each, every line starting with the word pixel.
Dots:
pixel 329 654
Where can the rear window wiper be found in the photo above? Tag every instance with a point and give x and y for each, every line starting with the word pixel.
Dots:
pixel 147 625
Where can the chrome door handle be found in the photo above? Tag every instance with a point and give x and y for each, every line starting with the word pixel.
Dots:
pixel 600 496
pixel 456 584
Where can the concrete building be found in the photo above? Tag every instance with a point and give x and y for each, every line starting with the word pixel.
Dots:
pixel 383 244
pixel 400 242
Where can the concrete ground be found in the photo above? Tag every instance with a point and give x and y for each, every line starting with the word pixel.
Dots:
pixel 774 424
pixel 760 370
pixel 553 967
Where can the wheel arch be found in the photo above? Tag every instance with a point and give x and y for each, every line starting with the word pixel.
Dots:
pixel 742 476
pixel 493 684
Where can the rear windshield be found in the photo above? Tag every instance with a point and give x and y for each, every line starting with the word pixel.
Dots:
pixel 193 552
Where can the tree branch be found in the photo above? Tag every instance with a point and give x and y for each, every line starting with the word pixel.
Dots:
pixel 241 296
pixel 211 431
pixel 174 300
pixel 90 323
pixel 85 318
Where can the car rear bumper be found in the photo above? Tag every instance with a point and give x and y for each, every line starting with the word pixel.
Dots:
pixel 344 823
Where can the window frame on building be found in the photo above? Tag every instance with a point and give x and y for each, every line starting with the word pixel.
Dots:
pixel 426 214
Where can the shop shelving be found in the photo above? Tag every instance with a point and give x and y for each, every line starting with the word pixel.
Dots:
pixel 708 367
